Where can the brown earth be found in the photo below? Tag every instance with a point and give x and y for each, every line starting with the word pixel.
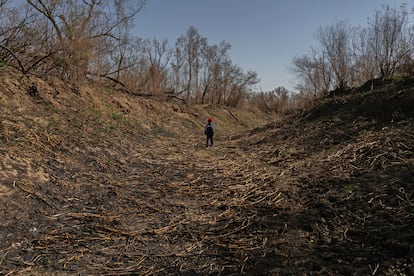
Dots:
pixel 95 181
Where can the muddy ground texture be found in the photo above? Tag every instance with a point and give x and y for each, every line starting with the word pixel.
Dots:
pixel 328 191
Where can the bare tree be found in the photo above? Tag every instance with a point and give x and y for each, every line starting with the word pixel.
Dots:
pixel 364 66
pixel 80 28
pixel 210 70
pixel 20 45
pixel 213 59
pixel 282 99
pixel 276 101
pixel 334 41
pixel 188 54
pixel 390 40
pixel 314 73
pixel 122 40
pixel 158 55
pixel 236 84
pixel 206 73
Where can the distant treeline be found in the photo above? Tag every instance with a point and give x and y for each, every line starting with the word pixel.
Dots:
pixel 77 40
pixel 349 56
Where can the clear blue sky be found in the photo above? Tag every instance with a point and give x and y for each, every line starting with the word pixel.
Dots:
pixel 265 35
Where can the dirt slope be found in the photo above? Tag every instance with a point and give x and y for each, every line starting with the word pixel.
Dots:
pixel 93 181
pixel 350 163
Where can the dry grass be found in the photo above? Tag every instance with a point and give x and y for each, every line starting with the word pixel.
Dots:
pixel 108 183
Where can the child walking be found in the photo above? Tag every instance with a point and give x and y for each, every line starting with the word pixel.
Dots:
pixel 209 132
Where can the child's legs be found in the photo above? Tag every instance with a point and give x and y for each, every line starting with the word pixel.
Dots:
pixel 209 141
